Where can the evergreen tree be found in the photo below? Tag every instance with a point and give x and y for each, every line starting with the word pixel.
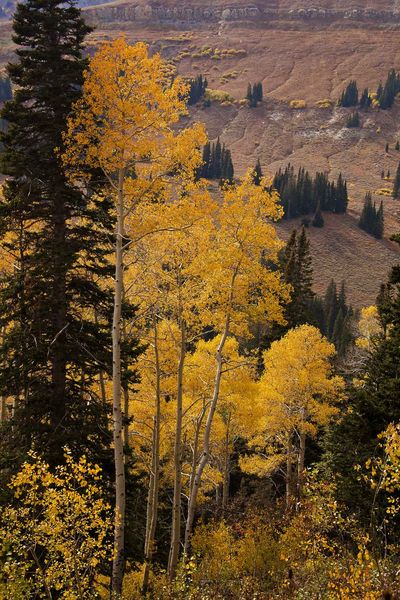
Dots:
pixel 296 265
pixel 386 95
pixel 330 308
pixel 318 220
pixel 257 173
pixel 217 160
pixel 365 100
pixel 396 183
pixel 54 316
pixel 387 148
pixel 350 96
pixel 353 120
pixel 197 88
pixel 249 95
pixel 397 146
pixel 370 409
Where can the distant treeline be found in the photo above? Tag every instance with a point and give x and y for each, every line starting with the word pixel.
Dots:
pixel 217 162
pixel 384 96
pixel 303 195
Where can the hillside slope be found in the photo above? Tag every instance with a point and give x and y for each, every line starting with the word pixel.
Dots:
pixel 298 51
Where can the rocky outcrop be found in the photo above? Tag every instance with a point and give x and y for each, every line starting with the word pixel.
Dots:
pixel 191 13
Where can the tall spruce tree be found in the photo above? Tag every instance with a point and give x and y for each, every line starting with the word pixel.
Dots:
pixel 54 316
pixel 370 408
pixel 396 183
pixel 297 270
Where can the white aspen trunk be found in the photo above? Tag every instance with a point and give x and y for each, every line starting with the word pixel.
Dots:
pixel 176 508
pixel 120 499
pixel 205 455
pixel 300 465
pixel 227 470
pixel 155 475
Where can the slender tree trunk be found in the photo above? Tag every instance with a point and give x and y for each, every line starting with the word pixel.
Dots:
pixel 102 385
pixel 57 350
pixel 119 525
pixel 176 509
pixel 300 465
pixel 152 516
pixel 289 473
pixel 227 470
pixel 205 455
pixel 3 409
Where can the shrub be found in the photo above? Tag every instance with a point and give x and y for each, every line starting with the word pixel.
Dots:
pixel 298 104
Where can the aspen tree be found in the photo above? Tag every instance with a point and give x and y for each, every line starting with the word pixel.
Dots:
pixel 239 287
pixel 122 125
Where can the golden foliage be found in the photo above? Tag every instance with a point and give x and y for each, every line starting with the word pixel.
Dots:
pixel 55 535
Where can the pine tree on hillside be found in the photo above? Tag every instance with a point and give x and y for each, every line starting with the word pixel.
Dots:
pixel 365 100
pixel 249 95
pixel 353 439
pixel 318 220
pixel 353 120
pixel 297 271
pixel 350 95
pixel 257 173
pixel 53 346
pixel 396 183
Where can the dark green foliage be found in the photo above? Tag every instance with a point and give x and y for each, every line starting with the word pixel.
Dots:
pixel 217 162
pixel 254 94
pixel 53 346
pixel 353 120
pixel 296 266
pixel 387 148
pixel 397 146
pixel 370 408
pixel 257 173
pixel 334 317
pixel 350 95
pixel 365 100
pixel 301 195
pixel 396 183
pixel 386 95
pixel 371 218
pixel 197 89
pixel 318 220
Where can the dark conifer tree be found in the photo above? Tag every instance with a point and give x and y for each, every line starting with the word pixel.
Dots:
pixel 350 96
pixel 353 120
pixel 396 183
pixel 249 94
pixel 318 220
pixel 257 173
pixel 53 347
pixel 365 100
pixel 370 409
pixel 397 146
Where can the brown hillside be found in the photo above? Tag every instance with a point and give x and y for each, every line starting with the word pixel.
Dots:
pixel 298 51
